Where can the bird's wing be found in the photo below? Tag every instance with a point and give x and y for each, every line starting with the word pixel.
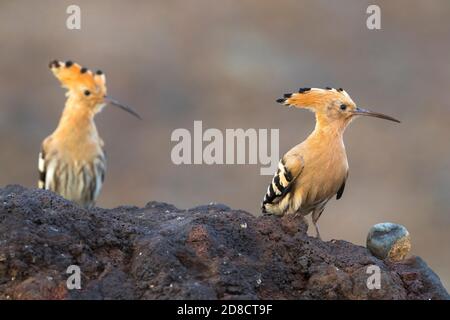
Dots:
pixel 42 169
pixel 55 175
pixel 93 176
pixel 100 170
pixel 289 168
pixel 341 188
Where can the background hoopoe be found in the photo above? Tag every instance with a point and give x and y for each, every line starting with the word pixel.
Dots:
pixel 72 162
pixel 312 172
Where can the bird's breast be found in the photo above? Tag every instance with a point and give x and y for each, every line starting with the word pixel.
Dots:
pixel 323 175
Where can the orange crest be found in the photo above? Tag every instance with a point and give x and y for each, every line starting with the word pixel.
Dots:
pixel 313 97
pixel 78 79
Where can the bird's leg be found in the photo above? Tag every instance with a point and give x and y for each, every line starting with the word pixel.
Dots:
pixel 315 217
pixel 317 231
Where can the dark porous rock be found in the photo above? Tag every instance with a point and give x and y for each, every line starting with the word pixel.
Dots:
pixel 161 252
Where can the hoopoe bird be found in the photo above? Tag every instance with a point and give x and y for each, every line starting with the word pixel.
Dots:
pixel 72 161
pixel 314 171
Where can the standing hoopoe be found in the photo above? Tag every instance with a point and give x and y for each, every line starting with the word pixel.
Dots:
pixel 312 172
pixel 72 162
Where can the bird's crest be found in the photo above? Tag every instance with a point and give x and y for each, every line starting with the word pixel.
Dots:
pixel 73 76
pixel 310 97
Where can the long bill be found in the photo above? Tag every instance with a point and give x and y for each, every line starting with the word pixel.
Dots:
pixel 116 103
pixel 364 112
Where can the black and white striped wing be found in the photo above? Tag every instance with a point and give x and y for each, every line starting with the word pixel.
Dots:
pixel 80 182
pixel 282 181
pixel 99 170
pixel 41 170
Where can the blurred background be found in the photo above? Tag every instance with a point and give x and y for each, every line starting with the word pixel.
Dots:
pixel 225 63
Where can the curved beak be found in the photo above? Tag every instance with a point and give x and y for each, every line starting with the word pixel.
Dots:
pixel 116 103
pixel 364 112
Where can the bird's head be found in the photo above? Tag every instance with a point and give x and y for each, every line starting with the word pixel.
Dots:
pixel 331 105
pixel 84 86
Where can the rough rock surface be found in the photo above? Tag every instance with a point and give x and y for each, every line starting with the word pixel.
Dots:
pixel 161 252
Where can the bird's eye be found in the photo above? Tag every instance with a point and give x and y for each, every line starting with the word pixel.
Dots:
pixel 87 93
pixel 343 107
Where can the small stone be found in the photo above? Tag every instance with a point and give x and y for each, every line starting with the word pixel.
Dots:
pixel 389 241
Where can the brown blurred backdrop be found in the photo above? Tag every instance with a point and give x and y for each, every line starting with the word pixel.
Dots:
pixel 225 63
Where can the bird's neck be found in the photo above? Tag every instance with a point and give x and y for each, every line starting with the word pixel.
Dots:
pixel 328 133
pixel 329 128
pixel 77 119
